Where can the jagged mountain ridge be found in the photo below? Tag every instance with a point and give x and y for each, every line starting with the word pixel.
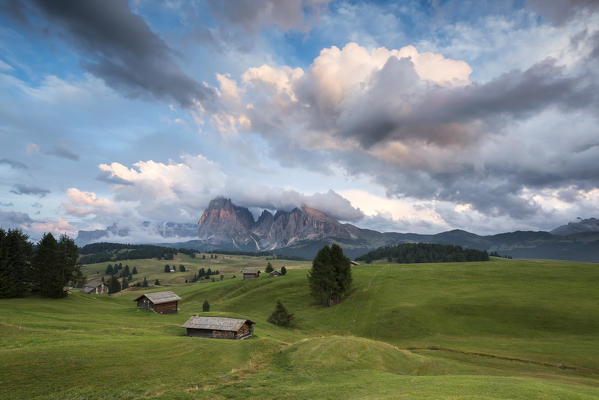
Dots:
pixel 581 226
pixel 225 224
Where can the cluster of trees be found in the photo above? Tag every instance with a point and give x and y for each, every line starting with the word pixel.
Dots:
pixel 269 269
pixel 204 274
pixel 124 272
pixel 100 252
pixel 45 268
pixel 330 277
pixel 167 268
pixel 189 252
pixel 423 253
pixel 496 254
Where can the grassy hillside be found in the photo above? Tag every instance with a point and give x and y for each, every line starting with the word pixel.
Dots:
pixel 503 329
pixel 227 265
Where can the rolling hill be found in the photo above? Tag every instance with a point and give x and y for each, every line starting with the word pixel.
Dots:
pixel 505 329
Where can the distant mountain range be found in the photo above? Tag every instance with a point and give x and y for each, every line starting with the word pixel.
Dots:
pixel 301 232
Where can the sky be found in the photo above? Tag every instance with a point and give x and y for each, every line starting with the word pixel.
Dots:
pixel 412 116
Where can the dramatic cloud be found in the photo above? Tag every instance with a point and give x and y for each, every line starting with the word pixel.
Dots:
pixel 35 228
pixel 417 125
pixel 20 188
pixel 119 47
pixel 12 163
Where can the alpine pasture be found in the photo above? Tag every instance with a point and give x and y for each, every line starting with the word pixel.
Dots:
pixel 503 329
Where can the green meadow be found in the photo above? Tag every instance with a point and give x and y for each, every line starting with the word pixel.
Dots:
pixel 503 329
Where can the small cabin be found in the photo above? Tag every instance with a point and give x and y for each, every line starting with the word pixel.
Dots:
pixel 159 302
pixel 352 262
pixel 250 274
pixel 219 327
pixel 275 273
pixel 95 288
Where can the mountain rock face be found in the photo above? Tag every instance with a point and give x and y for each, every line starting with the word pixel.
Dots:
pixel 582 226
pixel 226 225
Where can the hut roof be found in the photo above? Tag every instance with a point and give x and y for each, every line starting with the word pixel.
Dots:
pixel 247 271
pixel 215 323
pixel 93 284
pixel 160 297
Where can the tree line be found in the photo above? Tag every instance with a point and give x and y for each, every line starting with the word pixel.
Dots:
pixel 101 252
pixel 44 268
pixel 424 253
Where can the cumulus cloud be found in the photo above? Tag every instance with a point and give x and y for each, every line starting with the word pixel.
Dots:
pixel 417 125
pixel 20 188
pixel 119 47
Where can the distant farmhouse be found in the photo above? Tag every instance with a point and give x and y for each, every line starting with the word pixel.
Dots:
pixel 219 327
pixel 160 302
pixel 352 262
pixel 250 274
pixel 275 273
pixel 95 288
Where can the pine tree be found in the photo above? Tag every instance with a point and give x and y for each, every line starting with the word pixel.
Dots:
pixel 124 283
pixel 145 283
pixel 269 268
pixel 134 272
pixel 330 276
pixel 156 282
pixel 114 286
pixel 46 264
pixel 206 306
pixel 280 315
pixel 109 270
pixel 15 274
pixel 182 268
pixel 283 270
pixel 167 268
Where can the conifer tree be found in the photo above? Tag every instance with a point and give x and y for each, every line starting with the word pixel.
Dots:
pixel 330 276
pixel 283 270
pixel 134 272
pixel 15 274
pixel 280 315
pixel 114 286
pixel 124 283
pixel 269 268
pixel 156 282
pixel 206 306
pixel 167 268
pixel 109 270
pixel 145 283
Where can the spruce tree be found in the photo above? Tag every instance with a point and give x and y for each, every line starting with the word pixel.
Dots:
pixel 156 282
pixel 283 270
pixel 167 268
pixel 134 272
pixel 145 283
pixel 269 268
pixel 280 315
pixel 109 270
pixel 124 283
pixel 114 286
pixel 47 268
pixel 330 276
pixel 15 272
pixel 206 306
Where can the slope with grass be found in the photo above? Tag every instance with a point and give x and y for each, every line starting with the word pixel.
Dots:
pixel 503 329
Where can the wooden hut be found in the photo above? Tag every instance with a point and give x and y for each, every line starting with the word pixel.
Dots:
pixel 160 302
pixel 95 288
pixel 250 274
pixel 275 273
pixel 219 327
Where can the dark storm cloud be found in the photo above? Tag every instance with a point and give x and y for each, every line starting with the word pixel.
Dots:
pixel 20 188
pixel 13 219
pixel 119 47
pixel 12 163
pixel 559 12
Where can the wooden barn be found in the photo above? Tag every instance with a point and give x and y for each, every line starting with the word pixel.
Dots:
pixel 275 273
pixel 95 288
pixel 219 327
pixel 160 302
pixel 250 274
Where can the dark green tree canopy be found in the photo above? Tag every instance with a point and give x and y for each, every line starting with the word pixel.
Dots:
pixel 206 306
pixel 280 315
pixel 330 276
